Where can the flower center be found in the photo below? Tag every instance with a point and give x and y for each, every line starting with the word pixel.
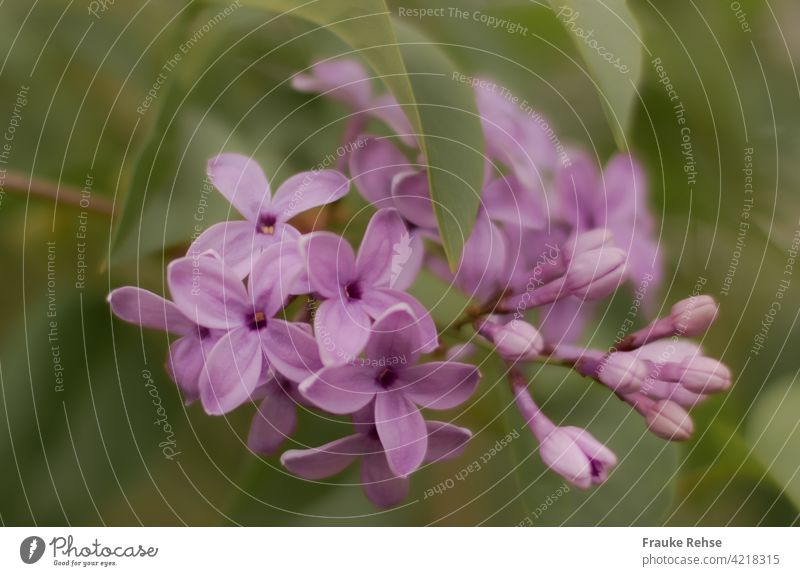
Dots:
pixel 387 377
pixel 353 291
pixel 266 224
pixel 258 321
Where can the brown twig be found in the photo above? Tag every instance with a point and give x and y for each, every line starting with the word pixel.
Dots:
pixel 25 184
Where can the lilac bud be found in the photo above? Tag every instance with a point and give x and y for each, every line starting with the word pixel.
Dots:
pixel 663 390
pixel 669 421
pixel 577 456
pixel 590 240
pixel 516 340
pixel 570 452
pixel 689 317
pixel 699 374
pixel 693 316
pixel 461 352
pixel 596 273
pixel 622 372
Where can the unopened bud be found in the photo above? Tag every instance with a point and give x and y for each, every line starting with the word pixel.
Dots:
pixel 693 316
pixel 699 374
pixel 669 421
pixel 516 340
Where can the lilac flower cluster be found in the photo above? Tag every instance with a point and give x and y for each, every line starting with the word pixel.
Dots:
pixel 549 240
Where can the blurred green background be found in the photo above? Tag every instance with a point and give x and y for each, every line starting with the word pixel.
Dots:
pixel 85 450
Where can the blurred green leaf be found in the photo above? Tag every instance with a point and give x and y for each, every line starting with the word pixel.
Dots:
pixel 441 111
pixel 774 433
pixel 608 39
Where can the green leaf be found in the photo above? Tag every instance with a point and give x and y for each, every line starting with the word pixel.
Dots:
pixel 608 39
pixel 774 433
pixel 441 110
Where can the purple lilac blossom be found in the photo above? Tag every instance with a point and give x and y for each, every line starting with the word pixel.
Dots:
pixel 241 180
pixel 356 289
pixel 390 376
pixel 380 483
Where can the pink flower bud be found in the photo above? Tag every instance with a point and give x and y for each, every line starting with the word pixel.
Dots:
pixel 577 456
pixel 693 316
pixel 669 421
pixel 622 372
pixel 590 240
pixel 516 340
pixel 699 374
pixel 596 273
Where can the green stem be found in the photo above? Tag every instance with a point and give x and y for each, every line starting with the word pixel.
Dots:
pixel 27 184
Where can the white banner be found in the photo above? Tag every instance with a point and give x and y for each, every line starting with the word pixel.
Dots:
pixel 389 551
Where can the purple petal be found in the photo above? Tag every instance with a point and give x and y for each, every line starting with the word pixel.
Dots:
pixel 412 198
pixel 290 348
pixel 330 261
pixel 395 336
pixel 562 322
pixel 232 371
pixel 185 363
pixel 445 441
pixel 579 192
pixel 384 249
pixel 308 190
pixel 344 80
pixel 208 292
pixel 274 421
pixel 235 241
pixel 341 389
pixel 149 310
pixel 507 201
pixel 242 182
pixel 561 453
pixel 274 275
pixel 402 432
pixel 380 484
pixel 484 269
pixel 410 253
pixel 440 385
pixel 386 108
pixel 373 167
pixel 377 302
pixel 327 460
pixel 342 330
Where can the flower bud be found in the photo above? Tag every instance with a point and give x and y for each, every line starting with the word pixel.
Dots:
pixel 669 421
pixel 699 374
pixel 693 316
pixel 577 456
pixel 596 273
pixel 590 240
pixel 516 340
pixel 622 372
